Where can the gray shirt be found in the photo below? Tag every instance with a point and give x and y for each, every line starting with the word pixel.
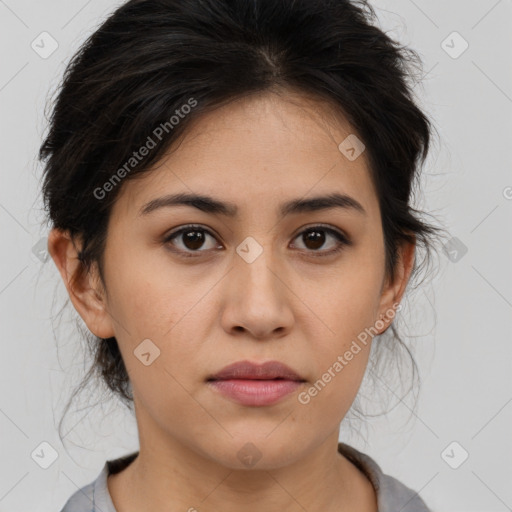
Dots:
pixel 392 495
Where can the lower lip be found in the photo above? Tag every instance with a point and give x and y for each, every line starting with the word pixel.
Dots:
pixel 255 392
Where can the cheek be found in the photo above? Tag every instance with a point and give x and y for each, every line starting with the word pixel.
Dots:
pixel 341 363
pixel 164 309
pixel 343 305
pixel 346 304
pixel 147 297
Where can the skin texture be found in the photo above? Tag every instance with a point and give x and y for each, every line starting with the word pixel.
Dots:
pixel 209 311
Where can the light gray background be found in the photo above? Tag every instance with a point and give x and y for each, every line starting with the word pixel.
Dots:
pixel 461 321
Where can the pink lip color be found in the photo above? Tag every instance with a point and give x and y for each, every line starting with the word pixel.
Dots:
pixel 255 392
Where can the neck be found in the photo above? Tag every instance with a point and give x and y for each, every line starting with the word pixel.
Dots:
pixel 178 478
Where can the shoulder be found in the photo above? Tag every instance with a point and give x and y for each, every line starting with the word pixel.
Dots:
pixel 81 500
pixel 94 497
pixel 392 495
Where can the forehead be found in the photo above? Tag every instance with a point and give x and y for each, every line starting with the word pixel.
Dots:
pixel 258 150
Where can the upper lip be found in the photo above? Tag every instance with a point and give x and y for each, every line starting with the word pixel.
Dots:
pixel 264 371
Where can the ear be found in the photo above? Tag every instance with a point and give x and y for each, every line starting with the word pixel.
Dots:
pixel 393 291
pixel 84 288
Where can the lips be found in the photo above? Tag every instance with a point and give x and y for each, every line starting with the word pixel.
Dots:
pixel 250 371
pixel 256 385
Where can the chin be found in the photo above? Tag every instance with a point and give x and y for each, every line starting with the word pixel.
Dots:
pixel 258 452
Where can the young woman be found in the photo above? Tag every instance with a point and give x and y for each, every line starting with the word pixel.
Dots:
pixel 229 185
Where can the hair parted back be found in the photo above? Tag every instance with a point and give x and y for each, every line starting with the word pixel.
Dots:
pixel 149 57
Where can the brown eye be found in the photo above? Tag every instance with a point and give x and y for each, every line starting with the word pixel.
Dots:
pixel 194 240
pixel 313 239
pixel 191 239
pixel 317 237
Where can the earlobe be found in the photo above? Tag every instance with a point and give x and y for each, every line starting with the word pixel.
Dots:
pixel 84 288
pixel 393 293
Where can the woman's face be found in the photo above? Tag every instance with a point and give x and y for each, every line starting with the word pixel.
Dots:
pixel 247 283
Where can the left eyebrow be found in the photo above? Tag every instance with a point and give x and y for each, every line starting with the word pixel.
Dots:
pixel 210 205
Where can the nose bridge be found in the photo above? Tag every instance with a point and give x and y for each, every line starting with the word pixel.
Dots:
pixel 256 268
pixel 256 300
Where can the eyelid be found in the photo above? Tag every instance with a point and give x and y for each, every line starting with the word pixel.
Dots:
pixel 326 227
pixel 343 239
pixel 167 238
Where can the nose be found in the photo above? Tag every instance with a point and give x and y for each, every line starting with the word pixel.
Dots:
pixel 257 299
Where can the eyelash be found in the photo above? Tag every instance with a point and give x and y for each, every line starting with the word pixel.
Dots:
pixel 343 241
